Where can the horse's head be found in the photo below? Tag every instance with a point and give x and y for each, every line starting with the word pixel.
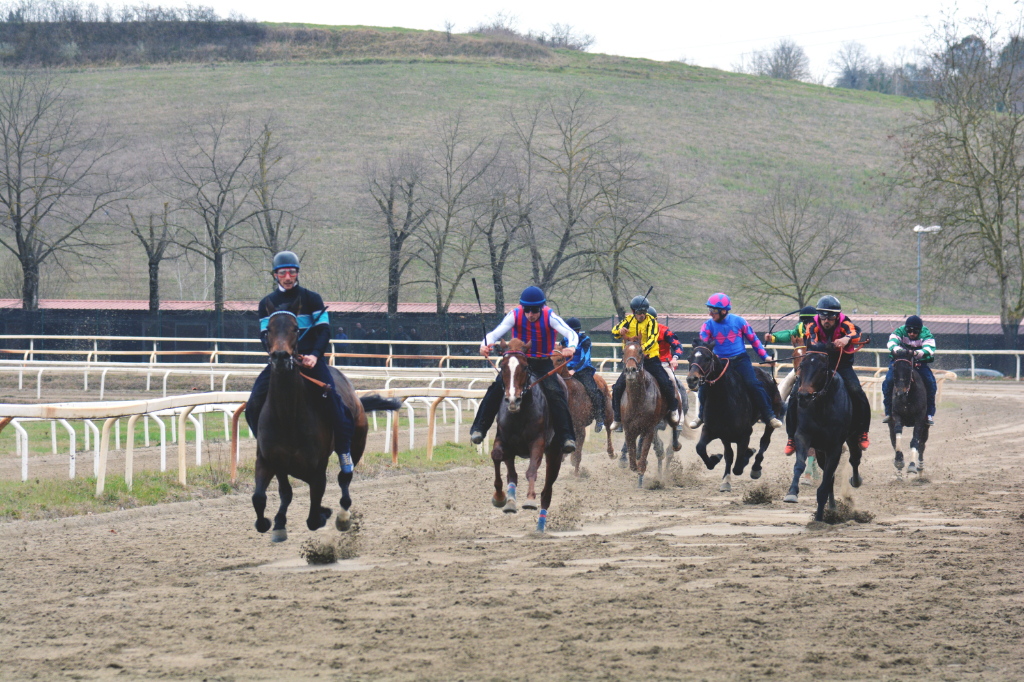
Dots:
pixel 632 356
pixel 283 336
pixel 814 373
pixel 798 356
pixel 514 373
pixel 561 364
pixel 702 361
pixel 902 372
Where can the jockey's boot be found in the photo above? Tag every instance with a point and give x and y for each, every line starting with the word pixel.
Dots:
pixel 864 442
pixel 931 420
pixel 598 425
pixel 790 447
pixel 775 423
pixel 888 418
pixel 695 424
pixel 616 424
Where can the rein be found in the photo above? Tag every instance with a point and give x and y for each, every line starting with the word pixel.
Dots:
pixel 526 358
pixel 703 376
pixel 828 382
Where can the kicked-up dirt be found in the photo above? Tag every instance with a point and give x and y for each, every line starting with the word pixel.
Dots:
pixel 675 582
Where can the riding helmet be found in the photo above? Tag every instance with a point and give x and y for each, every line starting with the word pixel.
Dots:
pixel 574 324
pixel 285 259
pixel 914 323
pixel 532 296
pixel 719 300
pixel 829 304
pixel 651 311
pixel 808 312
pixel 639 304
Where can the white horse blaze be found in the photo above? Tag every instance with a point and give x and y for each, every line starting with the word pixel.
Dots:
pixel 513 362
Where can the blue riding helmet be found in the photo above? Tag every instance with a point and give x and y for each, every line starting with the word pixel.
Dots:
pixel 532 297
pixel 285 259
pixel 720 301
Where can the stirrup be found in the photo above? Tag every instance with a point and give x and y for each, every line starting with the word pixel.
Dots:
pixel 790 447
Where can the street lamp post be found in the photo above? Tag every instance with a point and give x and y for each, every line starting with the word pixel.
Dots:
pixel 919 229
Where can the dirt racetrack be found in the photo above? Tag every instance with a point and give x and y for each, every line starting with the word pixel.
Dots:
pixel 673 583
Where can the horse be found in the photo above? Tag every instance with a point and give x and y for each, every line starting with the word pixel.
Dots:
pixel 643 407
pixel 295 435
pixel 581 409
pixel 909 408
pixel 825 422
pixel 524 430
pixel 659 447
pixel 729 412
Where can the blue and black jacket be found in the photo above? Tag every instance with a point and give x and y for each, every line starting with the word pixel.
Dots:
pixel 581 358
pixel 312 313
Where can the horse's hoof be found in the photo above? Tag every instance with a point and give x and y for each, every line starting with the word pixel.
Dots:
pixel 496 502
pixel 912 468
pixel 898 462
pixel 831 505
pixel 530 504
pixel 279 535
pixel 791 498
pixel 725 488
pixel 510 506
pixel 755 474
pixel 856 480
pixel 343 521
pixel 262 525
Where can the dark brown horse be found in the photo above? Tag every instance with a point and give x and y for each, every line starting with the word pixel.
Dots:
pixel 295 436
pixel 524 430
pixel 909 408
pixel 643 407
pixel 582 410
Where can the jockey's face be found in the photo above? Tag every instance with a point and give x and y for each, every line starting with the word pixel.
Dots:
pixel 913 334
pixel 828 320
pixel 640 315
pixel 532 314
pixel 287 277
pixel 717 314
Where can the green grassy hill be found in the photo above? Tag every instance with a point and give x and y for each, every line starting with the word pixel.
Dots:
pixel 338 106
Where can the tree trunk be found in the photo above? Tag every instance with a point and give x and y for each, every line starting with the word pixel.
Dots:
pixel 218 281
pixel 30 285
pixel 394 280
pixel 498 278
pixel 154 286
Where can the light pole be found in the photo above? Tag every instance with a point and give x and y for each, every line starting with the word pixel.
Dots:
pixel 919 229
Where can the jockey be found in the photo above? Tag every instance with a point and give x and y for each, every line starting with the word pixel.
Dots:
pixel 728 332
pixel 537 326
pixel 915 336
pixel 581 368
pixel 644 326
pixel 668 345
pixel 315 333
pixel 831 326
pixel 797 336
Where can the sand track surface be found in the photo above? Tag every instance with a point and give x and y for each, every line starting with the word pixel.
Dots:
pixel 680 582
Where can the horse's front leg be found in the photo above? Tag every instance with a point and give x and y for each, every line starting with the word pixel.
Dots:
pixel 284 489
pixel 766 439
pixel 645 448
pixel 702 450
pixel 501 500
pixel 917 442
pixel 853 446
pixel 343 521
pixel 828 475
pixel 631 448
pixel 536 454
pixel 263 475
pixel 896 425
pixel 318 515
pixel 608 417
pixel 743 454
pixel 727 476
pixel 798 469
pixel 554 464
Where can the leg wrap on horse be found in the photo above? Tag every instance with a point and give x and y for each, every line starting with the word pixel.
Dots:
pixel 665 382
pixel 489 406
pixel 586 377
pixel 886 391
pixel 861 406
pixel 930 385
pixel 257 397
pixel 745 368
pixel 558 403
pixel 617 390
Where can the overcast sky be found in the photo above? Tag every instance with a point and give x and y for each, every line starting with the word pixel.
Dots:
pixel 707 33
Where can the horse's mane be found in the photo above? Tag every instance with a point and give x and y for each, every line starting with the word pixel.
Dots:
pixel 516 346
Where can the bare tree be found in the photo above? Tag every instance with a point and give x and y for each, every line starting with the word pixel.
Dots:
pixel 448 26
pixel 156 239
pixel 277 216
pixel 853 66
pixel 212 175
pixel 795 245
pixel 963 159
pixel 568 152
pixel 503 212
pixel 448 238
pixel 396 188
pixel 55 183
pixel 785 60
pixel 630 224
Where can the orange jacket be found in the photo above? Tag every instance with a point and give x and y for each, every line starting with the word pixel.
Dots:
pixel 844 327
pixel 668 344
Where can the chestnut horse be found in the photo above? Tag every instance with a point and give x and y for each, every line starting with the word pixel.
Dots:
pixel 295 436
pixel 582 410
pixel 642 407
pixel 524 430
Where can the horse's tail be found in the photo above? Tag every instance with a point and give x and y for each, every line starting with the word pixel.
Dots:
pixel 374 403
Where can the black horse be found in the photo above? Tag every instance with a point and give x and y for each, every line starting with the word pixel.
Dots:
pixel 825 423
pixel 909 408
pixel 729 412
pixel 295 435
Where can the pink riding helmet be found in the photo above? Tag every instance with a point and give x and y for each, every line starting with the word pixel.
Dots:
pixel 719 300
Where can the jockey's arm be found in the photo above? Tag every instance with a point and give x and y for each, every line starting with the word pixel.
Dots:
pixel 571 337
pixel 495 335
pixel 617 329
pixel 755 343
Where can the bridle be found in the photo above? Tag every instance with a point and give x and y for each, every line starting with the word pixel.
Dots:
pixel 703 378
pixel 637 361
pixel 828 382
pixel 294 355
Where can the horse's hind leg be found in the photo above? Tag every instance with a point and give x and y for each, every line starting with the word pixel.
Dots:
pixel 702 451
pixel 727 477
pixel 766 439
pixel 641 465
pixel 798 469
pixel 743 455
pixel 343 521
pixel 317 515
pixel 536 454
pixel 259 497
pixel 284 489
pixel 853 445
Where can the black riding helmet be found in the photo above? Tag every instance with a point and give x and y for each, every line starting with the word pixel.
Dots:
pixel 807 313
pixel 639 304
pixel 574 324
pixel 914 324
pixel 828 304
pixel 285 259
